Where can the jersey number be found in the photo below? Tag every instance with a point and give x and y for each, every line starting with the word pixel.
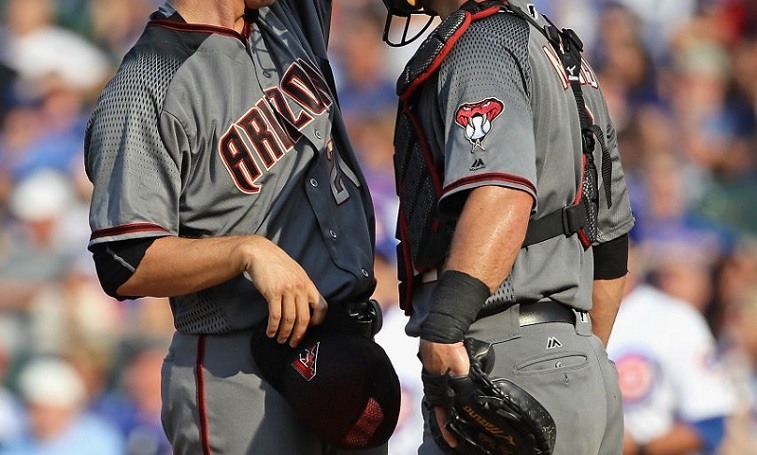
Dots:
pixel 339 170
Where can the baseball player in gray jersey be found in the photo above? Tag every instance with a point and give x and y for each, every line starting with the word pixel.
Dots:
pixel 514 216
pixel 224 179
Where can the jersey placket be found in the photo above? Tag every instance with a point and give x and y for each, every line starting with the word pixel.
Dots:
pixel 299 95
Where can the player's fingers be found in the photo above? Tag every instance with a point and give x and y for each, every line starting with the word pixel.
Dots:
pixel 274 317
pixel 319 307
pixel 441 419
pixel 303 318
pixel 288 317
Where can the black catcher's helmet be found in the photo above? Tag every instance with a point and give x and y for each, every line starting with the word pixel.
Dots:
pixel 404 9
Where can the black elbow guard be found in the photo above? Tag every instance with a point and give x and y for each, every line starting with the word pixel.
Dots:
pixel 117 261
pixel 611 259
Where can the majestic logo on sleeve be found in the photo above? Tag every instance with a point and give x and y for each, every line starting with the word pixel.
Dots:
pixel 476 119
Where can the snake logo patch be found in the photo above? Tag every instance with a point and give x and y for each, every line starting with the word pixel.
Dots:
pixel 306 362
pixel 476 119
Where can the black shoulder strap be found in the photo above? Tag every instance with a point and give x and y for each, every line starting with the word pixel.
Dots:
pixel 569 46
pixel 572 218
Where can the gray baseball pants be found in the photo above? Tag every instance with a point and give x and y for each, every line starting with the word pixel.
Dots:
pixel 566 368
pixel 215 402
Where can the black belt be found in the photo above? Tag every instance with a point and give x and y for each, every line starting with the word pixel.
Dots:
pixel 541 312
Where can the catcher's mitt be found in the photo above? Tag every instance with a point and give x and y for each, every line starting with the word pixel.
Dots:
pixel 488 416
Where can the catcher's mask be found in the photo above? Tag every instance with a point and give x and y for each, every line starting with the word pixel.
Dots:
pixel 404 9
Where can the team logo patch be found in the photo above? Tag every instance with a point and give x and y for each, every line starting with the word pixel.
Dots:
pixel 476 119
pixel 637 377
pixel 306 362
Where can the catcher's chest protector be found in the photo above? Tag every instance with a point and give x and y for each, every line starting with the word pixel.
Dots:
pixel 424 235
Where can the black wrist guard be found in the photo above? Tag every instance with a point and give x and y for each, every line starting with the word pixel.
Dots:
pixel 457 299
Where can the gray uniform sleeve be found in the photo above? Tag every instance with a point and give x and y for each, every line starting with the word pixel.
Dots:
pixel 488 120
pixel 617 219
pixel 131 154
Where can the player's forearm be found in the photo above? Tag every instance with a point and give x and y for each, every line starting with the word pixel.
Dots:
pixel 177 266
pixel 606 296
pixel 490 233
pixel 486 242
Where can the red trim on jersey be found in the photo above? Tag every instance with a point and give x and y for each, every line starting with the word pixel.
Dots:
pixel 437 62
pixel 509 178
pixel 201 394
pixel 198 28
pixel 580 190
pixel 126 229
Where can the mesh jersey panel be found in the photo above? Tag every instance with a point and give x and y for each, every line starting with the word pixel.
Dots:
pixel 486 37
pixel 198 313
pixel 505 293
pixel 127 117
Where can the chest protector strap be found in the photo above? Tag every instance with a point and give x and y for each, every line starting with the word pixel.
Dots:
pixel 582 215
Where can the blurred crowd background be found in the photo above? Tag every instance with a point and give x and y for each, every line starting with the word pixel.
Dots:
pixel 80 372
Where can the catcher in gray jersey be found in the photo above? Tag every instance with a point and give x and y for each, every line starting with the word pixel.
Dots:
pixel 513 225
pixel 224 179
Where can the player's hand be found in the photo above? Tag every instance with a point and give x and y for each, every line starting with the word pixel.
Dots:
pixel 438 358
pixel 294 302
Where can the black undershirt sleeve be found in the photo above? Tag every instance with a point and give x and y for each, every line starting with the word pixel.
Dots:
pixel 117 261
pixel 611 259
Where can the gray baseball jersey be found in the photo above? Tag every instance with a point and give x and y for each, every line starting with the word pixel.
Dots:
pixel 512 121
pixel 255 146
pixel 496 108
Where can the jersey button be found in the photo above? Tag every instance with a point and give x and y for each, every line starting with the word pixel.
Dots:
pixel 365 273
pixel 332 233
pixel 314 183
pixel 318 134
